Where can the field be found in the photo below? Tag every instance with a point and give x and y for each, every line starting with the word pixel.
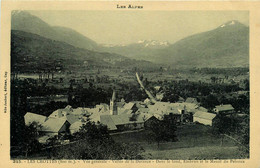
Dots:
pixel 194 142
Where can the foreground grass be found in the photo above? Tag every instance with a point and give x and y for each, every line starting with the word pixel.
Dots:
pixel 194 142
pixel 200 153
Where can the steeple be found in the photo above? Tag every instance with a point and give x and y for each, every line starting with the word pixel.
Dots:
pixel 113 107
pixel 114 96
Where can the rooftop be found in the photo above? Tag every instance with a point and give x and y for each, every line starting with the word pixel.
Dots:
pixel 191 100
pixel 53 125
pixel 204 115
pixel 225 107
pixel 31 117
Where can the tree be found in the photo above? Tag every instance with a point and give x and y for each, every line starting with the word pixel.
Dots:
pixel 30 143
pixel 25 137
pixel 244 137
pixel 233 127
pixel 163 130
pixel 246 84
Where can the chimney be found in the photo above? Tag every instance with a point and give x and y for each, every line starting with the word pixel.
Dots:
pixel 59 115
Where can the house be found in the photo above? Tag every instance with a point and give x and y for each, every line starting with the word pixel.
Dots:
pixel 121 122
pixel 95 114
pixel 75 127
pixel 142 110
pixel 120 104
pixel 194 109
pixel 55 126
pixel 143 116
pixel 81 111
pixel 70 114
pixel 158 116
pixel 131 106
pixel 124 111
pixel 157 88
pixel 204 117
pixel 224 109
pixel 162 108
pixel 159 96
pixel 187 107
pixel 102 107
pixel 180 100
pixel 71 118
pixel 58 113
pixel 29 118
pixel 107 120
pixel 191 100
pixel 159 108
pixel 150 121
pixel 139 104
pixel 147 101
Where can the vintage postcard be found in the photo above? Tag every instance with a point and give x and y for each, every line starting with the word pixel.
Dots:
pixel 129 83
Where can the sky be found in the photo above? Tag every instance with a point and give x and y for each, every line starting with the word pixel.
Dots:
pixel 126 27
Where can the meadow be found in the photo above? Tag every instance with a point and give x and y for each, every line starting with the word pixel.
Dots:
pixel 194 142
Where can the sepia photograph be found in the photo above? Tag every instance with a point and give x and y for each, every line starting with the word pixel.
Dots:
pixel 124 85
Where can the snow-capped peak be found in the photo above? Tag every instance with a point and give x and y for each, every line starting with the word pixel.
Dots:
pixel 140 41
pixel 230 23
pixel 151 43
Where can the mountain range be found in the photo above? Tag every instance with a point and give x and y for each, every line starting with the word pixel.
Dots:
pixel 224 46
pixel 31 52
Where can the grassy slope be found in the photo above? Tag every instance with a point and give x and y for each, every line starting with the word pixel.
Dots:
pixel 194 142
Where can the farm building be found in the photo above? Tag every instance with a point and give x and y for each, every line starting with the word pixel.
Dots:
pixel 204 117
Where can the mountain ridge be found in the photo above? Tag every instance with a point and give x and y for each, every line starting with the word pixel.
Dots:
pixel 32 52
pixel 226 45
pixel 27 22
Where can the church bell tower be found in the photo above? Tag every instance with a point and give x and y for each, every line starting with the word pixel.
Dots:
pixel 113 107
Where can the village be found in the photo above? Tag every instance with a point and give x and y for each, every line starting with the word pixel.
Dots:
pixel 121 116
pixel 162 94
